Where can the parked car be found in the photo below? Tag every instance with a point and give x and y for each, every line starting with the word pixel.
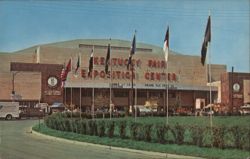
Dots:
pixel 245 109
pixel 57 107
pixel 142 109
pixel 43 106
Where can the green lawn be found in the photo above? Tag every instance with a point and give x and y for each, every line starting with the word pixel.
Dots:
pixel 169 148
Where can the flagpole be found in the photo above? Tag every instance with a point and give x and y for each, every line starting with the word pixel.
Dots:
pixel 210 76
pixel 80 63
pixel 166 51
pixel 210 85
pixel 110 85
pixel 71 104
pixel 93 89
pixel 135 97
pixel 167 90
pixel 130 66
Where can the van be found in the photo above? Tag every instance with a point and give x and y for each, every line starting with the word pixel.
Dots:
pixel 9 110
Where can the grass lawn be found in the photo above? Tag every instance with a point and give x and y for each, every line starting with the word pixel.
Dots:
pixel 166 148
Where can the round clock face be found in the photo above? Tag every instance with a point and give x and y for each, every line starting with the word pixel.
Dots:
pixel 52 81
pixel 236 87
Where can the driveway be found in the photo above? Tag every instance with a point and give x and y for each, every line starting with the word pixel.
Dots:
pixel 17 142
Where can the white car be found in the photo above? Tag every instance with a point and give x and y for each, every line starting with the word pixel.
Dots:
pixel 245 109
pixel 143 109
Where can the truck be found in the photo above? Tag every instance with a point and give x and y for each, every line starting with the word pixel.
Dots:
pixel 9 110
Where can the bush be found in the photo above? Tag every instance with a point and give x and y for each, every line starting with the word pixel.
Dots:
pixel 133 130
pixel 197 135
pixel 91 127
pixel 218 136
pixel 147 132
pixel 178 132
pixel 160 133
pixel 101 128
pixel 67 124
pixel 83 127
pixel 110 128
pixel 122 129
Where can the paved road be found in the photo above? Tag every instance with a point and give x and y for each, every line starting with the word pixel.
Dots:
pixel 17 142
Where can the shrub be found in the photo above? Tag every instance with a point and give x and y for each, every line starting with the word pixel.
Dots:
pixel 178 132
pixel 76 125
pixel 122 129
pixel 67 123
pixel 140 132
pixel 110 128
pixel 147 132
pixel 197 135
pixel 101 128
pixel 83 127
pixel 218 136
pixel 133 130
pixel 91 127
pixel 160 133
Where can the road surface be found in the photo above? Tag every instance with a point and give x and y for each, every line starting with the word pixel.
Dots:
pixel 17 142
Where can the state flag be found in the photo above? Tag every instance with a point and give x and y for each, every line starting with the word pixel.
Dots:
pixel 132 51
pixel 107 61
pixel 207 39
pixel 77 64
pixel 91 62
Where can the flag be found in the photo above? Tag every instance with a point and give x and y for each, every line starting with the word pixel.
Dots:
pixel 107 60
pixel 65 72
pixel 68 67
pixel 63 77
pixel 132 51
pixel 166 45
pixel 129 61
pixel 77 64
pixel 207 39
pixel 91 62
pixel 133 46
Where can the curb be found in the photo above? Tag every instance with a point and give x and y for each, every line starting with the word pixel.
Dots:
pixel 159 154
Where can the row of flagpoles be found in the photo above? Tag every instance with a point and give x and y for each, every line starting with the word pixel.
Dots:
pixel 130 66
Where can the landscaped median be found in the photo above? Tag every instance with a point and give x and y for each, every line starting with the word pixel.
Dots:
pixel 152 134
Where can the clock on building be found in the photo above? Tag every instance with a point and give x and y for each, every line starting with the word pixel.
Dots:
pixel 236 87
pixel 52 81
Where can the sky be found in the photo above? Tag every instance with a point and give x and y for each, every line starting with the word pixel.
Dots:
pixel 27 23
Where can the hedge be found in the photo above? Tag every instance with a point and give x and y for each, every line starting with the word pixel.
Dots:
pixel 217 136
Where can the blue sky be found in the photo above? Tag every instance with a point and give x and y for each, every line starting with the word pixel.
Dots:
pixel 27 23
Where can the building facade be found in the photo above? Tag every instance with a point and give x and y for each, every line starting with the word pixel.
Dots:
pixel 235 89
pixel 36 75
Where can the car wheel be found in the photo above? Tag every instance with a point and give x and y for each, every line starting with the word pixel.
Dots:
pixel 8 117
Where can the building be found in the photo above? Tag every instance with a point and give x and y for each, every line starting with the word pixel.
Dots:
pixel 33 74
pixel 235 89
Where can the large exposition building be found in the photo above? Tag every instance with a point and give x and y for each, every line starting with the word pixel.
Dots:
pixel 33 74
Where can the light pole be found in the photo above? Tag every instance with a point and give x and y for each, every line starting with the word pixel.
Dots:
pixel 13 85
